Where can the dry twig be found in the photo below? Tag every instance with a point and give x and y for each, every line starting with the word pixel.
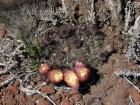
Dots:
pixel 31 92
pixel 132 84
pixel 8 81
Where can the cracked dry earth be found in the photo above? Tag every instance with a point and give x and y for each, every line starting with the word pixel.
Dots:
pixel 108 89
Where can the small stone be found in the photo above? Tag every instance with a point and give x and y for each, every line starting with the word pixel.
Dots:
pixel 72 100
pixel 68 95
pixel 61 93
pixel 42 101
pixel 48 89
pixel 38 78
pixel 13 89
pixel 76 97
pixel 36 96
pixel 65 102
pixel 120 81
pixel 56 97
pixel 2 32
pixel 121 93
pixel 57 102
pixel 63 96
pixel 66 49
pixel 72 92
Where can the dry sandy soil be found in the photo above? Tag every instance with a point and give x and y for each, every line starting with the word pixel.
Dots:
pixel 92 31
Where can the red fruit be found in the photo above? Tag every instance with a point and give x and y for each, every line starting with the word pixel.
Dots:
pixel 71 79
pixel 44 68
pixel 55 75
pixel 78 64
pixel 82 73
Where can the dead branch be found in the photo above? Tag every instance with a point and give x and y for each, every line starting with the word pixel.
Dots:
pixel 31 92
pixel 64 7
pixel 127 73
pixel 129 10
pixel 65 89
pixel 8 81
pixel 8 69
pixel 132 84
pixel 131 100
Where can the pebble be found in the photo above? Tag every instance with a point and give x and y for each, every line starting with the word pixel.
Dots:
pixel 65 102
pixel 61 93
pixel 48 89
pixel 13 89
pixel 76 97
pixel 66 49
pixel 57 102
pixel 56 97
pixel 72 92
pixel 42 101
pixel 121 93
pixel 72 100
pixel 120 81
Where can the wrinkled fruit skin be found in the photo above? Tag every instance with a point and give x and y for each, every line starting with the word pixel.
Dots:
pixel 55 76
pixel 82 73
pixel 71 79
pixel 44 68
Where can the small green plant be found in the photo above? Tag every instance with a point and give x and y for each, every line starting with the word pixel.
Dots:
pixel 30 48
pixel 34 49
pixel 37 45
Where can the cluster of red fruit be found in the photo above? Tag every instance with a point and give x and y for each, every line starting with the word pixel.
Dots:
pixel 79 73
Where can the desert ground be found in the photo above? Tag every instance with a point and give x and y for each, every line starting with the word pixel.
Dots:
pixel 103 35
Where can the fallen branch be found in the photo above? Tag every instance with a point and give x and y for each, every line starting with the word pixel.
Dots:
pixel 64 7
pixel 8 69
pixel 8 81
pixel 131 100
pixel 132 84
pixel 31 92
pixel 65 89
pixel 129 11
pixel 128 73
pixel 4 72
pixel 92 12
